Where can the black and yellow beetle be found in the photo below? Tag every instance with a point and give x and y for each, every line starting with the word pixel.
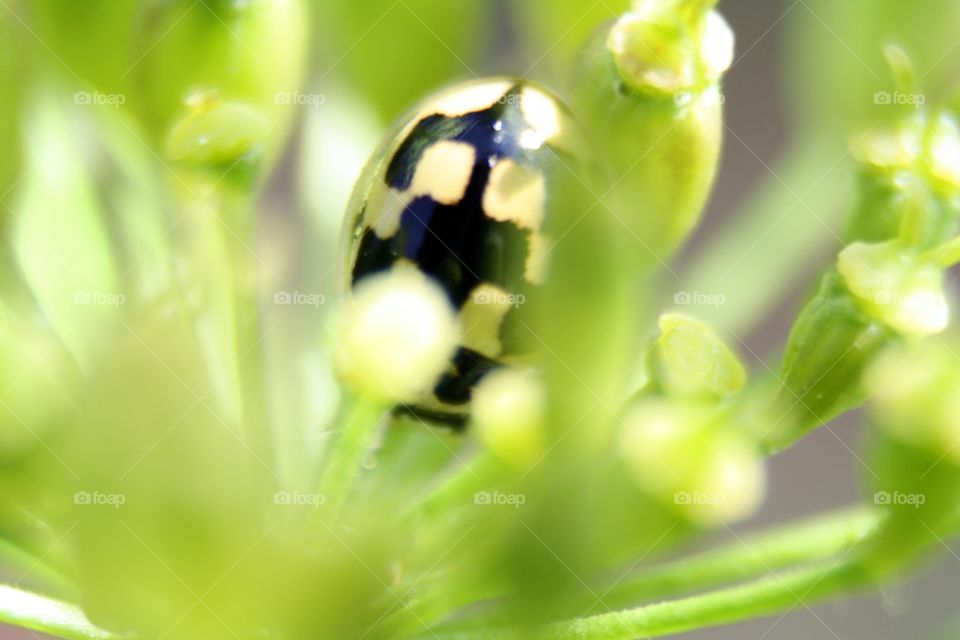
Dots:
pixel 460 190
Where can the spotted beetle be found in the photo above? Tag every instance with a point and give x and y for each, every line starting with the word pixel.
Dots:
pixel 460 191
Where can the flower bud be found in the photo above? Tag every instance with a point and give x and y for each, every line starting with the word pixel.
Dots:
pixel 912 452
pixel 916 397
pixel 508 415
pixel 681 456
pixel 689 361
pixel 830 346
pixel 396 336
pixel 900 204
pixel 895 288
pixel 249 52
pixel 926 143
pixel 219 136
pixel 649 87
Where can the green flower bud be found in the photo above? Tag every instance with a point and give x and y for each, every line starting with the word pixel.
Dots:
pixel 928 144
pixel 678 454
pixel 396 336
pixel 895 287
pixel 916 393
pixel 223 137
pixel 509 410
pixel 660 48
pixel 251 53
pixel 689 361
pixel 830 346
pixel 649 87
pixel 912 450
pixel 900 204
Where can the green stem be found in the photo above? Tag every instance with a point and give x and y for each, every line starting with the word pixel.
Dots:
pixel 758 555
pixel 914 214
pixel 753 600
pixel 790 545
pixel 360 422
pixel 34 570
pixel 760 598
pixel 457 490
pixel 946 255
pixel 45 615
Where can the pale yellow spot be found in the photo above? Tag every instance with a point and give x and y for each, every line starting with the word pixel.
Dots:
pixel 515 194
pixel 443 172
pixel 482 315
pixel 468 99
pixel 538 249
pixel 542 114
pixel 384 210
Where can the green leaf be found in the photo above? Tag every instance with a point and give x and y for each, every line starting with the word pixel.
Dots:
pixel 46 615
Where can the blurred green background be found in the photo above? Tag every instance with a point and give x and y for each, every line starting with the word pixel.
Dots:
pixel 89 92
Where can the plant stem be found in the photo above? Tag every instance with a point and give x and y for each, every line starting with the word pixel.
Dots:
pixel 457 490
pixel 360 421
pixel 754 556
pixel 34 570
pixel 37 613
pixel 946 255
pixel 764 597
pixel 812 540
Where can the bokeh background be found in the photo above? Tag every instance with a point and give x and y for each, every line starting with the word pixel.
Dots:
pixel 771 112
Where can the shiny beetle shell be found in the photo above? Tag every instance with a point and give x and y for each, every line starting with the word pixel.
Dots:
pixel 460 191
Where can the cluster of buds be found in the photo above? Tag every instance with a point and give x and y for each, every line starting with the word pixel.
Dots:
pixel 888 284
pixel 679 440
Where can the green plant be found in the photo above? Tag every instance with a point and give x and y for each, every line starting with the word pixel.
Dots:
pixel 193 446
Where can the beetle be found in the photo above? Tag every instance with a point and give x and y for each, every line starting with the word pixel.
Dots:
pixel 460 190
